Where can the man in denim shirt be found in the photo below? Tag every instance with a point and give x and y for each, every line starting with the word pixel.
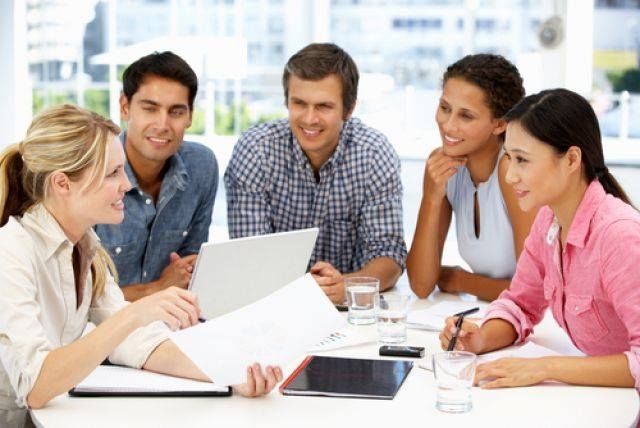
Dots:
pixel 322 168
pixel 174 183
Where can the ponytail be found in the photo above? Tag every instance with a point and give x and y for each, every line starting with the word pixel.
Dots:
pixel 64 138
pixel 611 185
pixel 14 200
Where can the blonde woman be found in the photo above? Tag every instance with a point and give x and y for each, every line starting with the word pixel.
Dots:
pixel 65 177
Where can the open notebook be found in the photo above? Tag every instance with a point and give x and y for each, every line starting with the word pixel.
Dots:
pixel 107 381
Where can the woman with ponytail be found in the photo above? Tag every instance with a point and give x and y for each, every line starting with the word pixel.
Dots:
pixel 580 260
pixel 65 177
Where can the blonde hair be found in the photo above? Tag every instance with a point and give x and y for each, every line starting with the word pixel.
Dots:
pixel 65 139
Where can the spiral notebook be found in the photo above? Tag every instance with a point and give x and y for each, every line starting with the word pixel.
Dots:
pixel 347 377
pixel 108 381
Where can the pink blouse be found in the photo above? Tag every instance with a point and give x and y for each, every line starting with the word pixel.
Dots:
pixel 592 288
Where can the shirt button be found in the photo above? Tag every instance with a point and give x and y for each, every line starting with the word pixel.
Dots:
pixel 148 201
pixel 184 233
pixel 577 308
pixel 144 274
pixel 118 250
pixel 140 192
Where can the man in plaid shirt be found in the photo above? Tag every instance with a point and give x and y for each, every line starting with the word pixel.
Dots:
pixel 322 168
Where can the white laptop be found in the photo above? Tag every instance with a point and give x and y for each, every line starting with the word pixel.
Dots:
pixel 232 274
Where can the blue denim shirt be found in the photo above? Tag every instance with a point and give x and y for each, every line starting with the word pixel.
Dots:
pixel 140 246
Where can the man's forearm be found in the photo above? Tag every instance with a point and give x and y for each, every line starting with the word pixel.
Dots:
pixel 134 292
pixel 384 268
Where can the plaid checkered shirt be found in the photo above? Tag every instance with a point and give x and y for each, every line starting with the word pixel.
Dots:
pixel 356 203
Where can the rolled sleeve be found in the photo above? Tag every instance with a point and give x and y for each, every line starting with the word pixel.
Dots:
pixel 523 304
pixel 136 348
pixel 23 341
pixel 380 224
pixel 248 210
pixel 619 272
pixel 509 311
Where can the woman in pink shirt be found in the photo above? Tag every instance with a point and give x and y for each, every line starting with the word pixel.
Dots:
pixel 580 259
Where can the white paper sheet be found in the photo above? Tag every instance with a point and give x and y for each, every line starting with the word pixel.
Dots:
pixel 349 336
pixel 116 378
pixel 528 350
pixel 271 331
pixel 433 317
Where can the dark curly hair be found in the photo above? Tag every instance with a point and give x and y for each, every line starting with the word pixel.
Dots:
pixel 497 77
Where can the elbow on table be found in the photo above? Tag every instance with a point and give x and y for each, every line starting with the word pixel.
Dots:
pixel 37 401
pixel 422 289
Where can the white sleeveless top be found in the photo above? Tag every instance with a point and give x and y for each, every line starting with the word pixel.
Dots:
pixel 492 254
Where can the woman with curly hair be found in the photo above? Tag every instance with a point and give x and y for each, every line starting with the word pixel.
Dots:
pixel 466 176
pixel 580 260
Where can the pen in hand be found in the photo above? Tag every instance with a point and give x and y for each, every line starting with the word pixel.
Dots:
pixel 460 315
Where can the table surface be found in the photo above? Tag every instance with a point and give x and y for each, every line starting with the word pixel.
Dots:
pixel 540 405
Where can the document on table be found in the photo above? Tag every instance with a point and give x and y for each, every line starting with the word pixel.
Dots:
pixel 271 331
pixel 433 317
pixel 529 350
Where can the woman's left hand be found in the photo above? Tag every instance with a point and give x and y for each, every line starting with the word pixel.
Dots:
pixel 451 279
pixel 259 383
pixel 510 372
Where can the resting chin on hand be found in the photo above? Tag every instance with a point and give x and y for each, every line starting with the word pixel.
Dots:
pixel 330 280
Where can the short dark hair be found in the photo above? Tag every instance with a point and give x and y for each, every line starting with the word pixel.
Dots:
pixel 319 60
pixel 162 64
pixel 496 76
pixel 561 118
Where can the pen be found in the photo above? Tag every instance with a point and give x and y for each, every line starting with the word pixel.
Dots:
pixel 460 315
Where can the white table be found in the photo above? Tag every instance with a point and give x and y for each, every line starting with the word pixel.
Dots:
pixel 414 405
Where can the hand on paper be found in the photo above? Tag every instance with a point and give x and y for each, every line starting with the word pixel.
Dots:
pixel 178 308
pixel 178 271
pixel 469 338
pixel 509 372
pixel 437 172
pixel 330 280
pixel 259 383
pixel 451 279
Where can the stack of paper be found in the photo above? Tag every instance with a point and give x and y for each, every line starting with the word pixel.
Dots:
pixel 433 318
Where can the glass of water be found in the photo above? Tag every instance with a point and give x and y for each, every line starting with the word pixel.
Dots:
pixel 391 317
pixel 361 294
pixel 454 372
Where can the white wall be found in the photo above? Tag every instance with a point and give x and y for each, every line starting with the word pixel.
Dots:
pixel 15 89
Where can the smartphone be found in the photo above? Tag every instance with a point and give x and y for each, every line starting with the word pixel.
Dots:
pixel 402 351
pixel 342 307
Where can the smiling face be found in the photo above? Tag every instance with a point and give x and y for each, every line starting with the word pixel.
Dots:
pixel 316 116
pixel 464 119
pixel 537 173
pixel 157 116
pixel 101 201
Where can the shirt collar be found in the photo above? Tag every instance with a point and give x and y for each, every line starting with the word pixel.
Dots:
pixel 40 220
pixel 336 156
pixel 581 223
pixel 177 171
